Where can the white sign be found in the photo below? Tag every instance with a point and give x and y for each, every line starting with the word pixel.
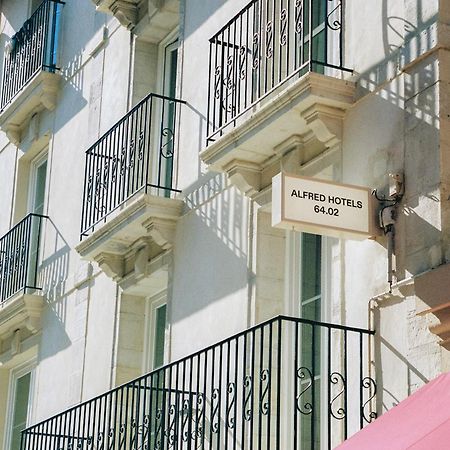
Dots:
pixel 323 207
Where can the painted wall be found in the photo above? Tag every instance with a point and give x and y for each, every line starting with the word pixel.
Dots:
pixel 230 269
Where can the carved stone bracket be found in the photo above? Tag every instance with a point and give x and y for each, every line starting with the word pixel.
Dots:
pixel 245 176
pixel 325 122
pixel 138 234
pixel 40 94
pixel 20 317
pixel 283 132
pixel 127 12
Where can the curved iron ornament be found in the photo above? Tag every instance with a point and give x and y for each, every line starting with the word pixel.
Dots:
pixel 200 413
pixel 170 433
pixel 248 397
pixel 217 81
pixel 269 40
pixel 166 149
pixel 340 413
pixel 335 23
pixel 243 62
pixel 186 411
pixel 255 62
pixel 144 430
pixel 158 431
pixel 283 27
pixel 298 16
pixel 231 399
pixel 264 405
pixel 215 419
pixel 369 383
pixel 303 373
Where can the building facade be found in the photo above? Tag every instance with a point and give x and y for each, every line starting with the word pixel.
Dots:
pixel 146 299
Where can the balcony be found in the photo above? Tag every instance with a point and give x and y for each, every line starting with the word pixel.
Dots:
pixel 285 384
pixel 20 306
pixel 30 79
pixel 275 85
pixel 150 19
pixel 129 210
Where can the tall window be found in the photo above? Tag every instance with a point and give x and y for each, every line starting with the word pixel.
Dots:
pixel 37 185
pixel 310 307
pixel 169 85
pixel 20 406
pixel 156 333
pixel 159 336
pixel 36 204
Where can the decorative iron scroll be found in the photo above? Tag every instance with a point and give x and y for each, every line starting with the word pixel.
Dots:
pixel 303 373
pixel 369 384
pixel 334 18
pixel 340 412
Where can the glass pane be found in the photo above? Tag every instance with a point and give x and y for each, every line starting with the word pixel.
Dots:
pixel 170 73
pixel 39 188
pixel 20 414
pixel 310 348
pixel 158 345
pixel 311 264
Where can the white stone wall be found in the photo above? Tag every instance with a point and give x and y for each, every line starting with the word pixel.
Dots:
pixel 229 266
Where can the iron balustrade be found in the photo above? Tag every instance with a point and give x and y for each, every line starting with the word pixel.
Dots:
pixel 265 45
pixel 274 386
pixel 19 254
pixel 32 49
pixel 136 155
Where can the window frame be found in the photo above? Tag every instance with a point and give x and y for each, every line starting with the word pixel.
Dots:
pixel 35 164
pixel 152 305
pixel 15 374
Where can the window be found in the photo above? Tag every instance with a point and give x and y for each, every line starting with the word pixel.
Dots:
pixel 169 89
pixel 159 338
pixel 36 205
pixel 155 348
pixel 19 408
pixel 310 307
pixel 38 183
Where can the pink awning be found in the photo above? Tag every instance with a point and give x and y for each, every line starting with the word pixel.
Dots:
pixel 420 422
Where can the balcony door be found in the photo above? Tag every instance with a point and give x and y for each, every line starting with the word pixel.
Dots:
pixel 168 117
pixel 310 357
pixel 36 205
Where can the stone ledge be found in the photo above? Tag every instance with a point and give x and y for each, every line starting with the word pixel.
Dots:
pixel 20 317
pixel 138 233
pixel 307 115
pixel 39 94
pixel 150 20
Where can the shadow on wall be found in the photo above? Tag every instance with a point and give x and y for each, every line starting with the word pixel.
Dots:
pixel 53 278
pixel 215 245
pixel 399 126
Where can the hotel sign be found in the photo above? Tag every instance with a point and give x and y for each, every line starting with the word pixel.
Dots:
pixel 323 207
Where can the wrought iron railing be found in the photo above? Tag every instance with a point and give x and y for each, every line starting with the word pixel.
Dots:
pixel 19 255
pixel 284 384
pixel 32 49
pixel 265 45
pixel 136 154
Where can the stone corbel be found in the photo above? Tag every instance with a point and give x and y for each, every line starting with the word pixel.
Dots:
pixel 289 153
pixel 16 342
pixel 142 255
pixel 112 265
pixel 13 133
pixel 325 122
pixel 161 231
pixel 127 13
pixel 245 176
pixel 50 88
